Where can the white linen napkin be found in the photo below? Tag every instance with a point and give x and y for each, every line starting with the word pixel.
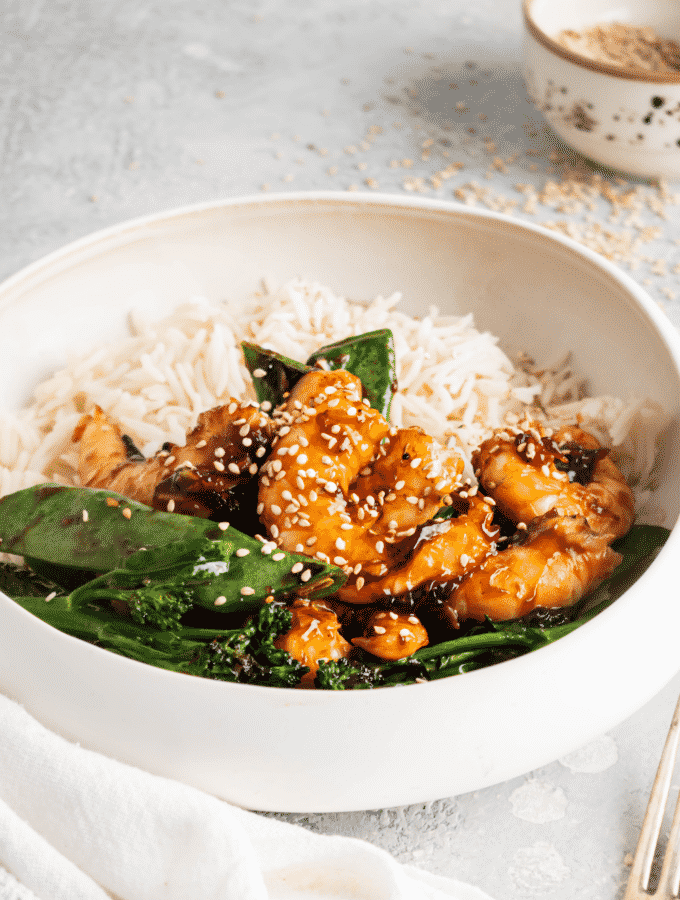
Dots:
pixel 76 825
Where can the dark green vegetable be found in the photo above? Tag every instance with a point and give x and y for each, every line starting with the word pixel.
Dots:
pixel 280 372
pixel 248 654
pixel 369 356
pixel 86 529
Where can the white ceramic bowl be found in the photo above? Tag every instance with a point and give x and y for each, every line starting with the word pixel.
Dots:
pixel 292 750
pixel 627 120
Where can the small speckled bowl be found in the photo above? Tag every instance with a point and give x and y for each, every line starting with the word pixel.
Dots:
pixel 627 120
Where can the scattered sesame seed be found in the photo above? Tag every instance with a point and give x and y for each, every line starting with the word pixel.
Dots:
pixel 247 591
pixel 306 575
pixel 242 551
pixel 220 601
pixel 259 373
pixel 127 512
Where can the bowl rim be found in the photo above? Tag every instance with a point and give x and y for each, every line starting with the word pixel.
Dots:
pixel 87 244
pixel 584 62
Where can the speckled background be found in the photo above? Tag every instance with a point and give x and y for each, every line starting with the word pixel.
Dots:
pixel 113 110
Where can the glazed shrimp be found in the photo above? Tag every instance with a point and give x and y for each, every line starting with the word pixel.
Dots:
pixel 314 635
pixel 443 552
pixel 225 448
pixel 558 561
pixel 342 486
pixel 392 635
pixel 530 473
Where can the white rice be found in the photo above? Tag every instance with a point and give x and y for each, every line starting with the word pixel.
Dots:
pixel 454 381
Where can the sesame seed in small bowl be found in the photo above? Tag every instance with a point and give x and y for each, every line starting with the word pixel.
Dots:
pixel 606 77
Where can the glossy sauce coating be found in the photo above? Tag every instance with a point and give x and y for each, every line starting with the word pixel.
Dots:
pixel 226 446
pixel 314 635
pixel 343 487
pixel 558 561
pixel 392 635
pixel 527 474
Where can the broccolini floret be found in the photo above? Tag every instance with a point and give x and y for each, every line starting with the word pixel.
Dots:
pixel 248 654
pixel 346 674
pixel 158 606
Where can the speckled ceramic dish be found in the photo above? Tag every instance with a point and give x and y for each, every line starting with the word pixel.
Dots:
pixel 624 119
pixel 298 750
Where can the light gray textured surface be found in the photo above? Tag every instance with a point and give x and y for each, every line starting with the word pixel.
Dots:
pixel 110 110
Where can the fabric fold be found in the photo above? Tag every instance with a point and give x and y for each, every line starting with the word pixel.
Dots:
pixel 76 825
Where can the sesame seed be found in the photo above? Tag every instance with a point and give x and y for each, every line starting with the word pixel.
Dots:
pixel 201 444
pixel 260 452
pixel 302 459
pixel 111 501
pixel 223 526
pixel 86 515
pixel 297 567
pixel 413 620
pixel 306 575
pixel 170 505
pixel 127 512
pixel 416 462
pixel 278 557
pixel 379 629
pixel 412 500
pixel 380 546
pixel 252 469
pixel 339 561
pixel 50 596
pixel 331 487
pixel 242 551
pixel 220 451
pixel 247 591
pixel 399 485
pixel 333 403
pixel 220 601
pixel 274 531
pixel 259 373
pixel 360 582
pixel 276 509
